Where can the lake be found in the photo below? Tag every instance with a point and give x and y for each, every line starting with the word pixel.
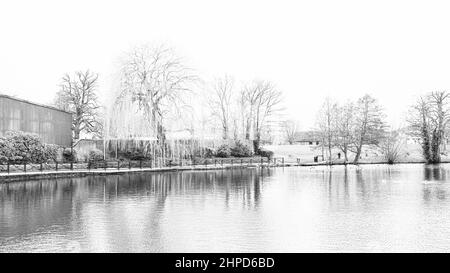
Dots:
pixel 370 208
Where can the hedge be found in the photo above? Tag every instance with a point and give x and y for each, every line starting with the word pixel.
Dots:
pixel 18 146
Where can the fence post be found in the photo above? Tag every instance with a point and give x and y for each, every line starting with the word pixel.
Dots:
pixel 206 162
pixel 105 165
pixel 298 161
pixel 25 167
pixel 282 161
pixel 232 162
pixel 89 165
pixel 140 163
pixel 215 162
pixel 221 162
pixel 129 164
pixel 40 167
pixel 118 165
pixel 71 165
pixel 262 162
pixel 251 161
pixel 7 166
pixel 242 162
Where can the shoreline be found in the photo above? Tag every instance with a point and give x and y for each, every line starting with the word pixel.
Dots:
pixel 23 177
pixel 38 175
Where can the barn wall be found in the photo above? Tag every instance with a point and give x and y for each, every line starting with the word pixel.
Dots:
pixel 52 125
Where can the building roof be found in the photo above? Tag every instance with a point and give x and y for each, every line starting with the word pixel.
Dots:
pixel 34 103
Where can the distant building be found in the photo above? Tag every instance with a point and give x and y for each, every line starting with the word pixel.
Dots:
pixel 54 126
pixel 306 138
pixel 404 135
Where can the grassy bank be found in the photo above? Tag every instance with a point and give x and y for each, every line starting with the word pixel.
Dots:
pixel 285 156
pixel 411 153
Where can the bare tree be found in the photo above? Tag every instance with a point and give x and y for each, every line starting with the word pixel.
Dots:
pixel 429 120
pixel 245 112
pixel 290 128
pixel 419 125
pixel 344 128
pixel 158 81
pixel 77 94
pixel 439 117
pixel 326 123
pixel 220 103
pixel 369 125
pixel 264 102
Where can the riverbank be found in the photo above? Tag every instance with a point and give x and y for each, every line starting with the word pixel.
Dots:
pixel 37 175
pixel 307 153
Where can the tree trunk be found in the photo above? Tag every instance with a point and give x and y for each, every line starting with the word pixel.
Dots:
pixel 358 154
pixel 247 130
pixel 161 138
pixel 435 147
pixel 76 133
pixel 225 132
pixel 329 153
pixel 426 145
pixel 256 143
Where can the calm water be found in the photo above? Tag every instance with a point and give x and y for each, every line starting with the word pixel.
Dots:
pixel 297 209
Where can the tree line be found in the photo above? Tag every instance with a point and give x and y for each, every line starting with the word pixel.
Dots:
pixel 243 112
pixel 161 85
pixel 351 126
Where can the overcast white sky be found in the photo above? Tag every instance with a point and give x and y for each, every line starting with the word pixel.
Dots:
pixel 394 50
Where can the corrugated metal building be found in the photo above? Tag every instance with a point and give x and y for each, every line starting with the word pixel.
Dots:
pixel 53 125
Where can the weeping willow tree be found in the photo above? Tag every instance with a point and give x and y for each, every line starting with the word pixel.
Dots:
pixel 154 82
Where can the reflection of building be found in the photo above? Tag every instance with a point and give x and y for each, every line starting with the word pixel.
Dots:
pixel 53 126
pixel 306 138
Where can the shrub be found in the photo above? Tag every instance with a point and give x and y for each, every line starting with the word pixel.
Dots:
pixel 265 153
pixel 69 155
pixel 25 147
pixel 51 152
pixel 95 155
pixel 392 147
pixel 209 152
pixel 240 150
pixel 223 151
pixel 134 155
pixel 5 150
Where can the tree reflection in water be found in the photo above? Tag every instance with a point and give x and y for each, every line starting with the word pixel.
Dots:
pixel 278 209
pixel 434 184
pixel 30 206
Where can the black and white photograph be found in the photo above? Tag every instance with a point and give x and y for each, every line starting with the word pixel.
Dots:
pixel 232 127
